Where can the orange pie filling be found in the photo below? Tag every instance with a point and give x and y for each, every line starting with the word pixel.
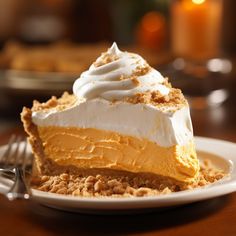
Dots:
pixel 92 148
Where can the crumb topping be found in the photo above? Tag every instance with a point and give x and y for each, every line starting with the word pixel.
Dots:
pixel 65 101
pixel 138 71
pixel 123 186
pixel 175 98
pixel 141 70
pixel 135 81
pixel 105 59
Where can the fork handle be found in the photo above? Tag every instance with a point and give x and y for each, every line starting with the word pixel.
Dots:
pixel 19 189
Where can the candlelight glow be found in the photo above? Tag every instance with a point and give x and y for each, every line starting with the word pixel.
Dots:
pixel 151 30
pixel 198 1
pixel 152 21
pixel 196 27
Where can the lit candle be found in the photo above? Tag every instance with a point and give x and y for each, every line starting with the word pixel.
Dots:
pixel 196 26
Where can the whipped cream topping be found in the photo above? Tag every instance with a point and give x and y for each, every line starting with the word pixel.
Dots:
pixel 113 80
pixel 102 83
pixel 138 120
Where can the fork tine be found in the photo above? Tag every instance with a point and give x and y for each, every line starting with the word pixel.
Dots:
pixel 7 153
pixel 24 155
pixel 15 157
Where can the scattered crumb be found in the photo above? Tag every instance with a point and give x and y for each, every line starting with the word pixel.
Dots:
pixel 175 98
pixel 124 186
pixel 105 59
pixel 141 70
pixel 66 100
pixel 208 174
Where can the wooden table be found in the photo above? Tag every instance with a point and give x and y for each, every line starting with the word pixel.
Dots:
pixel 212 217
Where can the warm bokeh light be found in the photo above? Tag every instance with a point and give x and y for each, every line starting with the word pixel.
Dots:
pixel 198 1
pixel 196 28
pixel 151 30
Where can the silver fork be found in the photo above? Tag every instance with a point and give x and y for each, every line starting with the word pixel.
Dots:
pixel 6 165
pixel 13 163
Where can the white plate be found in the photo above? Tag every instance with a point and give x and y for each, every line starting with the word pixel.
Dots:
pixel 222 154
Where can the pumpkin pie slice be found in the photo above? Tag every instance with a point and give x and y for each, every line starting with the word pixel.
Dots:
pixel 123 118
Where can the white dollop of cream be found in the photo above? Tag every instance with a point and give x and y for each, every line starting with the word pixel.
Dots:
pixel 166 126
pixel 104 81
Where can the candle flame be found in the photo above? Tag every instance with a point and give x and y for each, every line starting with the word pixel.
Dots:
pixel 198 1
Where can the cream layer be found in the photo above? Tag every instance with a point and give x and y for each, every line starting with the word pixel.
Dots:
pixel 166 126
pixel 93 148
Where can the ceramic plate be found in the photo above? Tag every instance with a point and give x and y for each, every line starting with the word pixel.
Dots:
pixel 221 153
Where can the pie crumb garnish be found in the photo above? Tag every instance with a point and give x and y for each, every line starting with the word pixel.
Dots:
pixel 175 98
pixel 104 186
pixel 105 59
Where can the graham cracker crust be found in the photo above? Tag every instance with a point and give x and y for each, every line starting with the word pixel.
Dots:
pixel 120 184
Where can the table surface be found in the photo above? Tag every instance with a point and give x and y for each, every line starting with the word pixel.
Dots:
pixel 212 217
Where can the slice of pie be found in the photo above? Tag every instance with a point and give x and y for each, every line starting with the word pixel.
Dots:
pixel 122 118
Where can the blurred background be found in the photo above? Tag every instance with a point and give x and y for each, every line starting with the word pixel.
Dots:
pixel 46 44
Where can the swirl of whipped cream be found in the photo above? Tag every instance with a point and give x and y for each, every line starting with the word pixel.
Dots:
pixel 112 77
